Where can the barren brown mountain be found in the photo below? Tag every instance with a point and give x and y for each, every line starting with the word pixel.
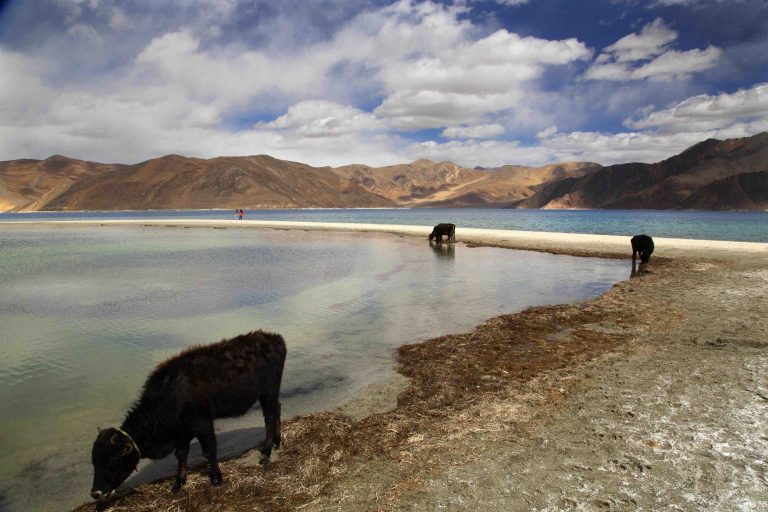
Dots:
pixel 664 185
pixel 748 191
pixel 710 175
pixel 414 183
pixel 28 185
pixel 226 182
pixel 510 183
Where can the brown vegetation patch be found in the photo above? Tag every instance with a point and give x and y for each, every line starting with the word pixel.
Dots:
pixel 462 384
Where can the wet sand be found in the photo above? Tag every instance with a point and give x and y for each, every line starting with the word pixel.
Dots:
pixel 652 396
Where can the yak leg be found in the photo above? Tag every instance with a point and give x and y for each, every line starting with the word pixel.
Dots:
pixel 270 406
pixel 278 424
pixel 207 437
pixel 182 451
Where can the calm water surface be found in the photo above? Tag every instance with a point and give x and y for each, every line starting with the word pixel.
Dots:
pixel 741 226
pixel 86 313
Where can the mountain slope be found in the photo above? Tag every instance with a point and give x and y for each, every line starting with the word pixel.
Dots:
pixel 663 185
pixel 511 183
pixel 748 191
pixel 410 184
pixel 710 175
pixel 27 185
pixel 226 182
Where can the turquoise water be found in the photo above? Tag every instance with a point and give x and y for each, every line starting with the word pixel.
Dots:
pixel 741 226
pixel 86 313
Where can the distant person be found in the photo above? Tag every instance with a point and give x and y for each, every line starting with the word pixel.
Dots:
pixel 240 213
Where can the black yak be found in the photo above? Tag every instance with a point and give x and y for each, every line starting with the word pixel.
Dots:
pixel 642 244
pixel 448 230
pixel 180 400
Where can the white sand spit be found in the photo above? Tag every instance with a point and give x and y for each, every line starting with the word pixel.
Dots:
pixel 565 243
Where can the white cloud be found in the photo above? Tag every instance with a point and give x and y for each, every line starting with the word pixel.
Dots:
pixel 647 55
pixel 465 81
pixel 650 42
pixel 481 131
pixel 489 153
pixel 319 118
pixel 615 148
pixel 678 64
pixel 425 64
pixel 24 97
pixel 744 111
pixel 547 132
pixel 667 132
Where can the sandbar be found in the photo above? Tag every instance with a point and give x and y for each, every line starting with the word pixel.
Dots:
pixel 576 244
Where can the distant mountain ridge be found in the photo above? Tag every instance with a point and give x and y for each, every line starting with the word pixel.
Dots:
pixel 711 175
pixel 680 182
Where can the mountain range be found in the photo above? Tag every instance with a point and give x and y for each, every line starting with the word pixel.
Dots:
pixel 712 175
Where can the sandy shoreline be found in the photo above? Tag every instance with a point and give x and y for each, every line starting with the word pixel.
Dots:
pixel 561 243
pixel 652 396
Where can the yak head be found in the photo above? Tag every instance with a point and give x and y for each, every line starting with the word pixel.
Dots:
pixel 114 456
pixel 433 235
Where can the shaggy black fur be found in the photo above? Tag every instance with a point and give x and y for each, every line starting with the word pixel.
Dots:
pixel 443 229
pixel 642 244
pixel 180 400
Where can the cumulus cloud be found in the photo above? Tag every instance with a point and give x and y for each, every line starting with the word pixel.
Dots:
pixel 481 131
pixel 650 42
pixel 647 55
pixel 662 133
pixel 745 111
pixel 656 135
pixel 615 148
pixel 319 118
pixel 424 65
pixel 464 81
pixel 486 153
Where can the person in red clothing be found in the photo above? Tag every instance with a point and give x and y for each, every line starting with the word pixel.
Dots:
pixel 240 213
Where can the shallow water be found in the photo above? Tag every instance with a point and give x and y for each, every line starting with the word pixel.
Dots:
pixel 705 225
pixel 86 313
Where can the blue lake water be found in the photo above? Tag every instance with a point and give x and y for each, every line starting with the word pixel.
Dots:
pixel 86 313
pixel 740 226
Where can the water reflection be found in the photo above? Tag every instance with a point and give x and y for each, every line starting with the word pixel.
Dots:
pixel 637 269
pixel 445 251
pixel 229 445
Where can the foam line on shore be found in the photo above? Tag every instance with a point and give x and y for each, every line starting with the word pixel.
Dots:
pixel 565 243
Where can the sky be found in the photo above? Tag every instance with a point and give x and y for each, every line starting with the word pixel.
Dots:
pixel 336 82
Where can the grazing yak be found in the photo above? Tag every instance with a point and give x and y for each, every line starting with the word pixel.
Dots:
pixel 448 230
pixel 642 244
pixel 180 400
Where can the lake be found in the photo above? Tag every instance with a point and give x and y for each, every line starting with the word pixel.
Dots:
pixel 86 314
pixel 738 226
